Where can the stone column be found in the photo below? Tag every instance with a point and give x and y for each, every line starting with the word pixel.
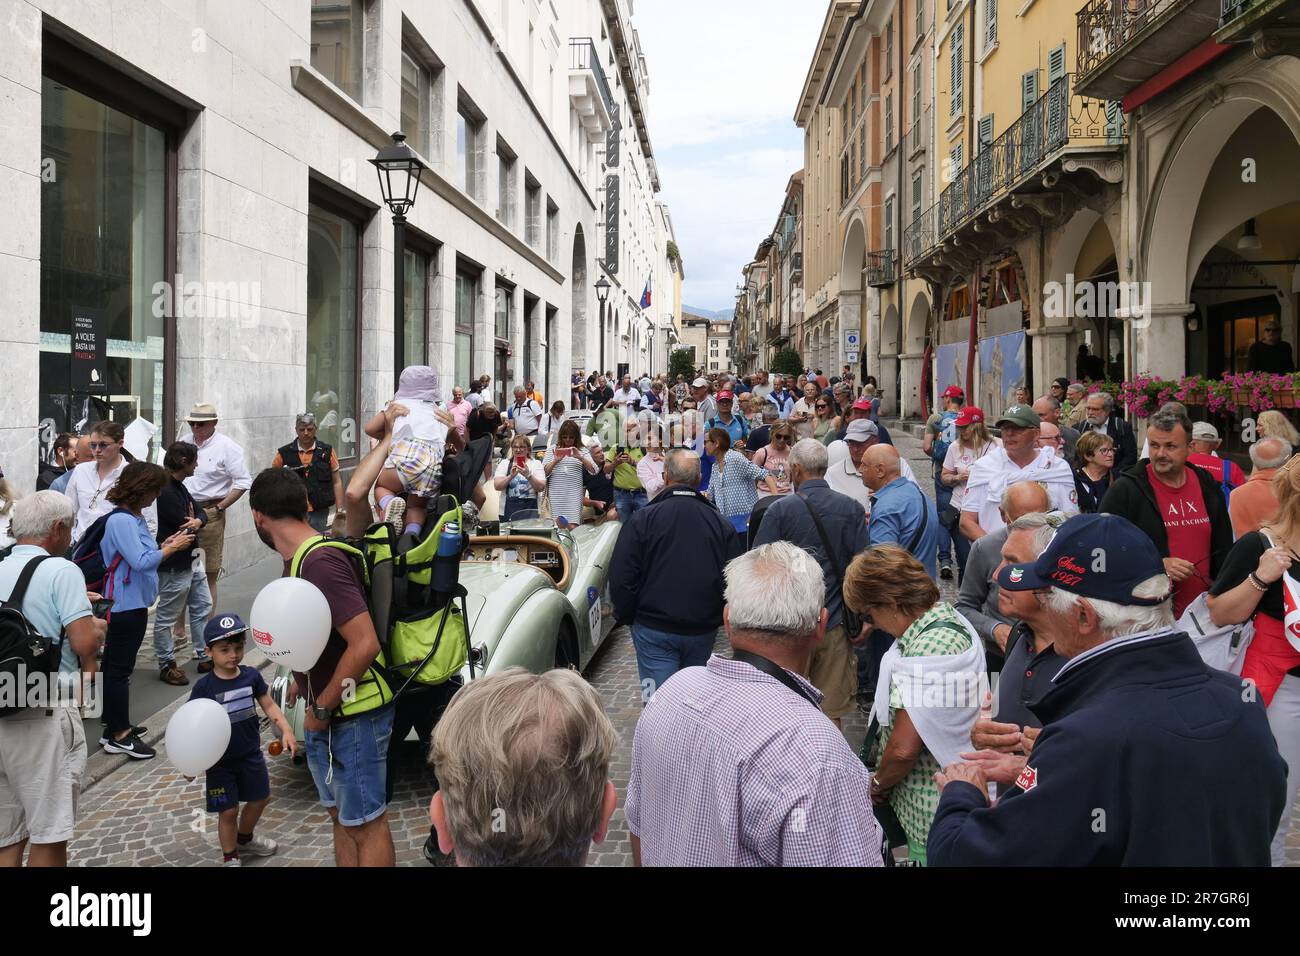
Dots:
pixel 1158 346
pixel 1051 356
pixel 850 320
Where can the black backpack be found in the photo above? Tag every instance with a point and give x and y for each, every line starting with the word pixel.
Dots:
pixel 88 555
pixel 24 652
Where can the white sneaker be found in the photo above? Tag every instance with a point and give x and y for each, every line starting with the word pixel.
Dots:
pixel 235 862
pixel 394 514
pixel 259 846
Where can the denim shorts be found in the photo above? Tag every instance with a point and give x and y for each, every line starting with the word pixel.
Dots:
pixel 349 763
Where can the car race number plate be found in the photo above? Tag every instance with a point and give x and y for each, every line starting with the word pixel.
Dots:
pixel 593 613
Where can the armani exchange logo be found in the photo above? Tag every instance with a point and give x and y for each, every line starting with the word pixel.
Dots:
pixel 77 909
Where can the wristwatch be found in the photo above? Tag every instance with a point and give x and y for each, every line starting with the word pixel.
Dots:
pixel 320 713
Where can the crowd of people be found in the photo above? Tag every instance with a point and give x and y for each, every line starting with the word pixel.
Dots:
pixel 1057 713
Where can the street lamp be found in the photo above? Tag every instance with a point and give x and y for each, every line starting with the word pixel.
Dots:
pixel 602 293
pixel 399 171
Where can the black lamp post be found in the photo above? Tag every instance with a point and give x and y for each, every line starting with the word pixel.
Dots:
pixel 602 293
pixel 399 180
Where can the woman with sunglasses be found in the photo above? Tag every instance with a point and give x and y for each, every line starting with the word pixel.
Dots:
pixel 1094 469
pixel 825 423
pixel 90 482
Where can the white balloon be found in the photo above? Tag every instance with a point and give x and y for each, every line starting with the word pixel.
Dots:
pixel 291 622
pixel 197 736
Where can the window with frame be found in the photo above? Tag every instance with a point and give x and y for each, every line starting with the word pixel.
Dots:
pixel 415 104
pixel 506 165
pixel 338 42
pixel 889 223
pixel 955 77
pixel 466 297
pixel 469 132
pixel 504 305
pixel 532 211
pixel 889 122
pixel 889 48
pixel 916 92
pixel 990 23
pixel 920 18
pixel 333 309
pixel 917 179
pixel 552 231
pixel 958 305
pixel 415 329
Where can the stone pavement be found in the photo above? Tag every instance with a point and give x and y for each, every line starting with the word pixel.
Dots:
pixel 148 815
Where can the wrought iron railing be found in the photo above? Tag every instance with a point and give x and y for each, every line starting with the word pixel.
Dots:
pixel 1231 9
pixel 921 234
pixel 882 269
pixel 1056 119
pixel 583 56
pixel 1106 25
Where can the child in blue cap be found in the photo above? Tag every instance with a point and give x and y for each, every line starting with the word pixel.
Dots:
pixel 240 776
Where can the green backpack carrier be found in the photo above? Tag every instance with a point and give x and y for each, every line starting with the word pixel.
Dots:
pixel 423 636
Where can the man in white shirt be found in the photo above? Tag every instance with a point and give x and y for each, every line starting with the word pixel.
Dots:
pixel 845 457
pixel 91 481
pixel 761 388
pixel 1017 460
pixel 525 414
pixel 704 402
pixel 805 411
pixel 626 393
pixel 220 480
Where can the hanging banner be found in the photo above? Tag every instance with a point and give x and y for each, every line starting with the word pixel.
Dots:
pixel 950 367
pixel 89 370
pixel 1001 371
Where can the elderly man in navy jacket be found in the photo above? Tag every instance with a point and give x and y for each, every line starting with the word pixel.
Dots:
pixel 1147 757
pixel 666 574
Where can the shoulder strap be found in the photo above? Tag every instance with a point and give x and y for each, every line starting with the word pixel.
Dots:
pixel 925 521
pixel 821 530
pixel 774 671
pixel 15 599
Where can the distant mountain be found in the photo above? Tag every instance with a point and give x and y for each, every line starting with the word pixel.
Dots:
pixel 717 314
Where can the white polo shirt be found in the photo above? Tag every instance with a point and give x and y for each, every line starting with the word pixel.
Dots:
pixel 526 417
pixel 842 475
pixel 990 476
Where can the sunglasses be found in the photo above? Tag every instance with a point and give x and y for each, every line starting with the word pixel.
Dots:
pixel 822 405
pixel 97 445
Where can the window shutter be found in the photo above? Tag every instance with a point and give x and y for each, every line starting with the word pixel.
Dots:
pixel 889 121
pixel 916 93
pixel 991 25
pixel 1028 90
pixel 916 195
pixel 955 76
pixel 1056 64
pixel 1114 119
pixel 986 131
pixel 889 223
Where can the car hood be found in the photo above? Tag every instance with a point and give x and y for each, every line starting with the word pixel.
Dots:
pixel 497 588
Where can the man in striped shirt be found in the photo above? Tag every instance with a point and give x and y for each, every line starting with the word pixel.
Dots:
pixel 734 764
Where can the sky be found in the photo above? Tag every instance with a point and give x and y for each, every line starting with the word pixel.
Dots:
pixel 725 78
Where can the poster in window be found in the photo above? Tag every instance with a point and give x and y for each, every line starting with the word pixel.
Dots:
pixel 89 374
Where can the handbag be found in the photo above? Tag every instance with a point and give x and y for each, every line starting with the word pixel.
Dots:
pixel 1223 648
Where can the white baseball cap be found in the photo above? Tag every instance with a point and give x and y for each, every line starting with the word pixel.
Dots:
pixel 700 383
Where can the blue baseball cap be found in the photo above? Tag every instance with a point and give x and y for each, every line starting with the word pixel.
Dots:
pixel 224 627
pixel 1094 556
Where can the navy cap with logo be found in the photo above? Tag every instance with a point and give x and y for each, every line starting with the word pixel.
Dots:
pixel 1094 556
pixel 224 627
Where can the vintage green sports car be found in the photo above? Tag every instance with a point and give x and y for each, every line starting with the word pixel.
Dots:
pixel 537 597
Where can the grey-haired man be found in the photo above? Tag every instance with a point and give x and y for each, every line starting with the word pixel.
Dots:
pixel 317 465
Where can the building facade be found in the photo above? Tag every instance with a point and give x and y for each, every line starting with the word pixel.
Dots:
pixel 719 355
pixel 193 208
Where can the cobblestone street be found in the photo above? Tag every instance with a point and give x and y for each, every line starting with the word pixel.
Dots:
pixel 149 815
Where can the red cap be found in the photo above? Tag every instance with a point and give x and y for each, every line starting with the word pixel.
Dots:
pixel 952 391
pixel 969 415
pixel 725 396
pixel 863 404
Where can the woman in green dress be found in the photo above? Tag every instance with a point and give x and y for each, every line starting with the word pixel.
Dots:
pixel 827 424
pixel 920 731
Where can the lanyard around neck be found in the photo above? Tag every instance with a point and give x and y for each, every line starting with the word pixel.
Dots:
pixel 775 671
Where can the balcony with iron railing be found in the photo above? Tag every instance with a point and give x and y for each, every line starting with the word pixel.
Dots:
pixel 1061 125
pixel 589 88
pixel 1271 25
pixel 882 268
pixel 1123 43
